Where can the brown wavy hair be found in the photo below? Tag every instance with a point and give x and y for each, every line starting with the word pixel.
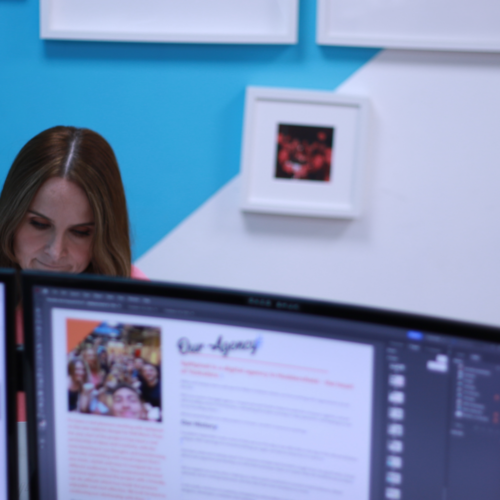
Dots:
pixel 85 158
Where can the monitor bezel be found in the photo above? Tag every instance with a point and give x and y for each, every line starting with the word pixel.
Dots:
pixel 258 300
pixel 9 280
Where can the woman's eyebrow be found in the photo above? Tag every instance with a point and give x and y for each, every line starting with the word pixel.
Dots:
pixel 84 224
pixel 39 215
pixel 48 218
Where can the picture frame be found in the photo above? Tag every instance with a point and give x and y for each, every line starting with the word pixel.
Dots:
pixel 438 25
pixel 182 21
pixel 303 152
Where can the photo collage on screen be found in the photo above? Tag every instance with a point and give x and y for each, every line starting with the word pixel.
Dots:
pixel 114 369
pixel 304 152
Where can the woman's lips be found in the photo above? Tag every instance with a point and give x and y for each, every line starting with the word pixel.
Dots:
pixel 51 267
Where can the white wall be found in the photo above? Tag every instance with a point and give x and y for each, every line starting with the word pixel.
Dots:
pixel 429 238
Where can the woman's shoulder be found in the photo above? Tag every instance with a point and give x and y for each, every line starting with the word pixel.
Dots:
pixel 136 273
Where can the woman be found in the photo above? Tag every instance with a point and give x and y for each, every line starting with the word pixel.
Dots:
pixel 97 374
pixel 63 207
pixel 78 385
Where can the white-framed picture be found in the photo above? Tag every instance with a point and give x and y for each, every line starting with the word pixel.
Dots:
pixel 184 21
pixel 467 25
pixel 303 152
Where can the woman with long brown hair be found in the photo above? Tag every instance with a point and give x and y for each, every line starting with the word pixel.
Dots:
pixel 78 379
pixel 63 207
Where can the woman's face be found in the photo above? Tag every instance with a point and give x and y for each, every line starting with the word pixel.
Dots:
pixel 150 374
pixel 126 404
pixel 79 372
pixel 57 231
pixel 90 357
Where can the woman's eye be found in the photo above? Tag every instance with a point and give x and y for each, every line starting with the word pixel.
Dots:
pixel 39 225
pixel 81 233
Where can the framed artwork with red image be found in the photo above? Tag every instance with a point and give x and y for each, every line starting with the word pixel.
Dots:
pixel 303 152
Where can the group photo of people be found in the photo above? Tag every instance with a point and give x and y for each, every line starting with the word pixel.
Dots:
pixel 114 370
pixel 304 152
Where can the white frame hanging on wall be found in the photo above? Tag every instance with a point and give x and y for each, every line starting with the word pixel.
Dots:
pixel 183 21
pixel 437 25
pixel 269 112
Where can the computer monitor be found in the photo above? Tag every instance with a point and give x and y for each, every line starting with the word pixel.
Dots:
pixel 143 390
pixel 8 388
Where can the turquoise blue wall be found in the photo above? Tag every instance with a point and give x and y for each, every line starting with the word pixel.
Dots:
pixel 172 112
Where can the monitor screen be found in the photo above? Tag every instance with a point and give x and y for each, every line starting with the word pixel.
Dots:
pixel 149 391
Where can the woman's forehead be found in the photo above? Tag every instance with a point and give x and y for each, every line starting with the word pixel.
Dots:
pixel 62 201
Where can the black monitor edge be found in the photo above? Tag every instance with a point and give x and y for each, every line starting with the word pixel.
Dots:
pixel 267 301
pixel 8 276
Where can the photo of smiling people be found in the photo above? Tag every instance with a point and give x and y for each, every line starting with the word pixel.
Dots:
pixel 114 369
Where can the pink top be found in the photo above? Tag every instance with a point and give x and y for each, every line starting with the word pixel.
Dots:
pixel 135 273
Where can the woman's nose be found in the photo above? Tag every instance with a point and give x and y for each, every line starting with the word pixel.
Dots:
pixel 56 247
